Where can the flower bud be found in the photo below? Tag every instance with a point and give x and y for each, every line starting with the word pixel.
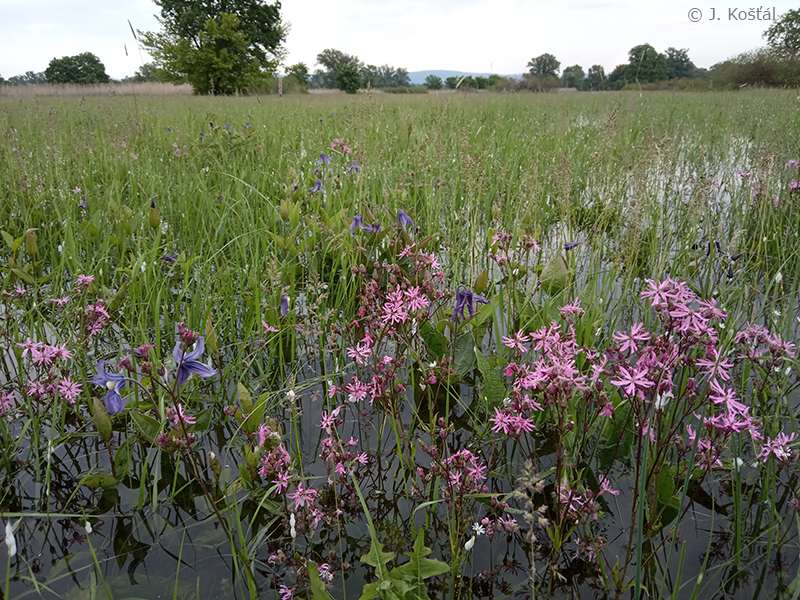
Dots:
pixel 30 241
pixel 155 217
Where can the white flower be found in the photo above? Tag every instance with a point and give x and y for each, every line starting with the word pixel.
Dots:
pixel 290 395
pixel 292 530
pixel 478 529
pixel 88 527
pixel 778 277
pixel 11 541
pixel 470 543
pixel 737 463
pixel 662 399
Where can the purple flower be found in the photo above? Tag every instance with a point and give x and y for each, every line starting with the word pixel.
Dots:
pixel 169 129
pixel 170 258
pixel 323 159
pixel 247 125
pixel 284 306
pixel 570 245
pixel 357 222
pixel 202 135
pixel 188 363
pixel 114 383
pixel 404 219
pixel 317 187
pixel 466 298
pixel 83 205
pixel 353 167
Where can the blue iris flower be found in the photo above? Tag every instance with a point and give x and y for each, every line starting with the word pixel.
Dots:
pixel 188 362
pixel 284 306
pixel 404 219
pixel 466 299
pixel 323 159
pixel 114 383
pixel 317 187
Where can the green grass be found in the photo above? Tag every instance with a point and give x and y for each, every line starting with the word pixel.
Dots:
pixel 646 182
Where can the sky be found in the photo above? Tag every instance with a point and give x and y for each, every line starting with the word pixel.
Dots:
pixel 492 36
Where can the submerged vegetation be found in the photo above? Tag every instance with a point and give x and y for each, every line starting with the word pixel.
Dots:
pixel 402 348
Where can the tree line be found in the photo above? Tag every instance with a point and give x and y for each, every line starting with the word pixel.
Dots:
pixel 230 46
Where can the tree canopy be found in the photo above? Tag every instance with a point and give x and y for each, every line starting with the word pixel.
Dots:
pixel 544 65
pixel 572 77
pixel 646 65
pixel 219 46
pixel 784 34
pixel 81 68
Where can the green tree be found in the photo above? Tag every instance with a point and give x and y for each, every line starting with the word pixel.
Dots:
pixel 147 72
pixel 30 78
pixel 572 77
pixel 219 46
pixel 618 78
pixel 595 79
pixel 299 71
pixel 218 63
pixel 678 63
pixel 331 60
pixel 348 78
pixel 81 68
pixel 646 65
pixel 784 34
pixel 451 83
pixel 260 22
pixel 400 78
pixel 544 65
pixel 432 82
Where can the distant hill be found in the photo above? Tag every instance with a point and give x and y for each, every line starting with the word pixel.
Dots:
pixel 418 77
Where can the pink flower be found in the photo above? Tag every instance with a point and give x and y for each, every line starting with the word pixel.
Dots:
pixel 629 340
pixel 631 381
pixel 778 447
pixel 69 389
pixel 716 367
pixel 303 496
pixel 269 328
pixel 517 341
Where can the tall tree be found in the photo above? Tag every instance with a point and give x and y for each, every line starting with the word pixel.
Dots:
pixel 544 65
pixel 332 59
pixel 595 79
pixel 784 34
pixel 432 82
pixel 81 68
pixel 29 78
pixel 646 65
pixel 219 46
pixel 678 63
pixel 572 77
pixel 451 82
pixel 348 78
pixel 299 71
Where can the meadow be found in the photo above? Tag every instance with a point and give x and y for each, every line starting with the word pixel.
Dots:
pixel 440 346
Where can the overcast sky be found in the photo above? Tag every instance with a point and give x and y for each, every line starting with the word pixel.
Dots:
pixel 498 36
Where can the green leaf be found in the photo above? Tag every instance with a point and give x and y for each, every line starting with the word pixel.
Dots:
pixel 99 481
pixel 318 591
pixel 148 426
pixel 256 413
pixel 245 399
pixel 666 485
pixel 378 559
pixel 122 458
pixel 464 354
pixel 494 390
pixel 8 239
pixel 419 568
pixel 101 419
pixel 433 339
pixel 555 275
pixel 203 421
